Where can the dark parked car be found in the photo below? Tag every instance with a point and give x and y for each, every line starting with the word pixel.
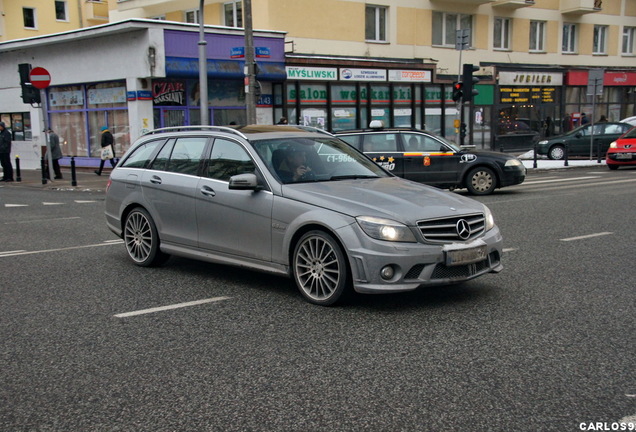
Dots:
pixel 579 140
pixel 427 158
pixel 291 202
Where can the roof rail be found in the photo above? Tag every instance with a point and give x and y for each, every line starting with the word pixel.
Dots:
pixel 195 128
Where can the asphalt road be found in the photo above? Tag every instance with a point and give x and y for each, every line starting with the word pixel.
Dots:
pixel 546 345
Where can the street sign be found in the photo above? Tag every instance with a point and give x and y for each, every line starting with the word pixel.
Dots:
pixel 40 78
pixel 595 82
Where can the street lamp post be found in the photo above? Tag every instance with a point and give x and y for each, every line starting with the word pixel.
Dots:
pixel 250 78
pixel 203 69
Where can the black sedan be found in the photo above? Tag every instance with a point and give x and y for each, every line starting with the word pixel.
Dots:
pixel 427 158
pixel 580 141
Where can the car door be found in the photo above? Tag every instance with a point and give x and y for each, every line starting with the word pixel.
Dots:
pixel 169 188
pixel 382 147
pixel 580 143
pixel 428 160
pixel 233 222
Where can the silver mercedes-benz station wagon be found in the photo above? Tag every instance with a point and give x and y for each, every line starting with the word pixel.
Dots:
pixel 292 202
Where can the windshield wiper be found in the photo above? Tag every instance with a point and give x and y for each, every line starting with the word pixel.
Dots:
pixel 353 177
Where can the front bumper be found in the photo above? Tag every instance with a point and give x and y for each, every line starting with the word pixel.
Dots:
pixel 415 264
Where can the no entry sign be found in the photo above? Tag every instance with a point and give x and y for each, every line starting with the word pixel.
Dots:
pixel 40 78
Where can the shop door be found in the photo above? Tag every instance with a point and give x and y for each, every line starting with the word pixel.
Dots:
pixel 173 117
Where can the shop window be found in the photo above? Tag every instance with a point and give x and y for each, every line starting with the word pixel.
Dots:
pixel 568 45
pixel 600 40
pixel 107 95
pixel 375 23
pixel 445 26
pixel 61 13
pixel 29 16
pixel 537 36
pixel 18 124
pixel 501 33
pixel 629 34
pixel 233 14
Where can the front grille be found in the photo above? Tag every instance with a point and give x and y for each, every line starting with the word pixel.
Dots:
pixel 458 272
pixel 445 230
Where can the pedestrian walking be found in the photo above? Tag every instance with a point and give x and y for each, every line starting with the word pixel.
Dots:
pixel 107 142
pixel 56 153
pixel 584 119
pixel 5 154
pixel 566 123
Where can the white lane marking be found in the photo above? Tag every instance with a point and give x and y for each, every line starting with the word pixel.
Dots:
pixel 16 205
pixel 17 253
pixel 11 252
pixel 629 420
pixel 586 236
pixel 560 180
pixel 85 201
pixel 52 203
pixel 42 220
pixel 170 307
pixel 509 250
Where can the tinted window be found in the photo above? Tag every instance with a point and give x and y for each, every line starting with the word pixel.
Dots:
pixel 228 158
pixel 615 129
pixel 140 157
pixel 354 140
pixel 380 142
pixel 422 143
pixel 186 155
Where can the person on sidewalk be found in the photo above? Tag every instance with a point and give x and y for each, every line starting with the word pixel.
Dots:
pixel 56 153
pixel 5 154
pixel 107 140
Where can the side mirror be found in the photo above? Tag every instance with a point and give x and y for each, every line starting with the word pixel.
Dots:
pixel 244 182
pixel 578 135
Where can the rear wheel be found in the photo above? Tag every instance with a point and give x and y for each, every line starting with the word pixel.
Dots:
pixel 320 269
pixel 557 152
pixel 142 240
pixel 481 181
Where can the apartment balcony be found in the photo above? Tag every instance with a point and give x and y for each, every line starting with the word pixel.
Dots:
pixel 124 5
pixel 466 2
pixel 581 7
pixel 513 4
pixel 96 11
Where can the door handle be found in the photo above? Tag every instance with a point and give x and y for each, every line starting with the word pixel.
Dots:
pixel 208 191
pixel 155 180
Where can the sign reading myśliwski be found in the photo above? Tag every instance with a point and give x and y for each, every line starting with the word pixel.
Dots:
pixel 312 73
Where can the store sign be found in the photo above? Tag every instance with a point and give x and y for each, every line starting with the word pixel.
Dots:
pixel 410 75
pixel 527 95
pixel 165 92
pixel 350 74
pixel 311 73
pixel 530 78
pixel 111 95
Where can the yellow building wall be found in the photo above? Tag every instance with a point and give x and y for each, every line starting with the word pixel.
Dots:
pixel 520 35
pixel 586 38
pixel 481 38
pixel 45 19
pixel 630 8
pixel 552 37
pixel 613 41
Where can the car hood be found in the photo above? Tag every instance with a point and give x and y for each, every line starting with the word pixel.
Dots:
pixel 393 198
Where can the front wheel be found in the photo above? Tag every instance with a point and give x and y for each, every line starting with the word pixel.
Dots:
pixel 481 181
pixel 142 239
pixel 320 269
pixel 612 167
pixel 557 152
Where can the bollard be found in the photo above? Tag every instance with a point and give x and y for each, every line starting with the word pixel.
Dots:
pixel 598 151
pixel 566 155
pixel 534 157
pixel 43 168
pixel 18 176
pixel 73 174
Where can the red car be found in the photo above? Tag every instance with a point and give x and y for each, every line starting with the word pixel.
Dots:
pixel 622 152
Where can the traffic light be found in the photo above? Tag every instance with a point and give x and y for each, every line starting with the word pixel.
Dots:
pixel 457 91
pixel 469 82
pixel 462 131
pixel 30 95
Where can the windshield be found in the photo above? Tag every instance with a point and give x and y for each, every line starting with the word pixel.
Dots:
pixel 298 159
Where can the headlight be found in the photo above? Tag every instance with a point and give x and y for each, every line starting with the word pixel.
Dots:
pixel 385 229
pixel 613 145
pixel 544 142
pixel 490 220
pixel 513 162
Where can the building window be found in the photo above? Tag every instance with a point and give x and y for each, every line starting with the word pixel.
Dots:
pixel 192 16
pixel 501 33
pixel 233 14
pixel 629 34
pixel 158 18
pixel 445 26
pixel 18 124
pixel 29 18
pixel 375 23
pixel 568 45
pixel 60 11
pixel 600 40
pixel 537 36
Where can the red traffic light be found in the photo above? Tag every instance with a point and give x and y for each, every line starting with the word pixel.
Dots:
pixel 457 91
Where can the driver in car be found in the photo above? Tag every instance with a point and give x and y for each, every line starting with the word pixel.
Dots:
pixel 294 166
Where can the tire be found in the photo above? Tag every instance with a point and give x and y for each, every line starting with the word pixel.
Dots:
pixel 556 152
pixel 320 269
pixel 142 240
pixel 612 167
pixel 481 181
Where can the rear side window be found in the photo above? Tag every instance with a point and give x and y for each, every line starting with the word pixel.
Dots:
pixel 228 158
pixel 182 156
pixel 380 142
pixel 354 140
pixel 422 143
pixel 140 157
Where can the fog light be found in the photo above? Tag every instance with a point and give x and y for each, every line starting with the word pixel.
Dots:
pixel 387 272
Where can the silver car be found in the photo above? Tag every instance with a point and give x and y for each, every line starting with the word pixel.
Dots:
pixel 298 203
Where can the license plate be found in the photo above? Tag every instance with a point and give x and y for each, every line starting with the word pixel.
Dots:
pixel 466 256
pixel 623 156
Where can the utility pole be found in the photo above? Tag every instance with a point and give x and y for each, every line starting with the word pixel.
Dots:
pixel 203 69
pixel 250 75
